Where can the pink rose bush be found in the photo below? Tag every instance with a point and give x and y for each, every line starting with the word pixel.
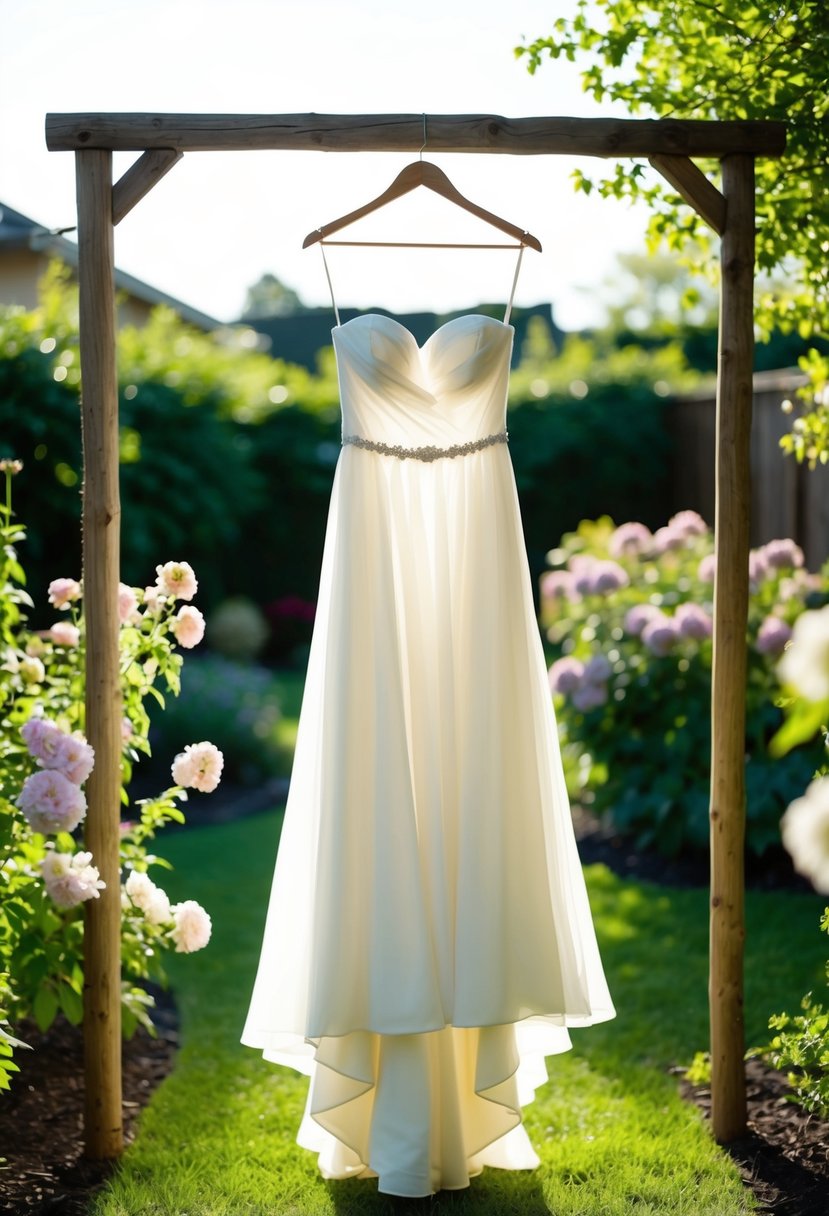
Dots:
pixel 46 876
pixel 628 617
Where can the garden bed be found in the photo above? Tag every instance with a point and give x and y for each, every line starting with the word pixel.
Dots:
pixel 784 1157
pixel 41 1119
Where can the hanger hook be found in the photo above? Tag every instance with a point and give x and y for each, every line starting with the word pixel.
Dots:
pixel 424 137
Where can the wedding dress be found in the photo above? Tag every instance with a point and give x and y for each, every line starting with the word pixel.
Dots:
pixel 428 938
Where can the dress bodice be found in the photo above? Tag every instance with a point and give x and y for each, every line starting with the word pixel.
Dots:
pixel 452 390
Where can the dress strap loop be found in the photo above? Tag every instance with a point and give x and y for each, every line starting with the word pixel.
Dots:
pixel 514 282
pixel 330 284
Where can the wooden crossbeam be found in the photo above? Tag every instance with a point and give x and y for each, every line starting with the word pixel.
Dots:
pixel 140 178
pixel 404 133
pixel 691 183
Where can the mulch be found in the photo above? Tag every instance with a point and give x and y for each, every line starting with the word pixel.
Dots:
pixel 783 1158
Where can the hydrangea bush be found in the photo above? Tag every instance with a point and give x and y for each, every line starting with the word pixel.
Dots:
pixel 801 1042
pixel 628 617
pixel 45 759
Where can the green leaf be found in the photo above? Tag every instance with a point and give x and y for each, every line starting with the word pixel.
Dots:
pixel 45 1007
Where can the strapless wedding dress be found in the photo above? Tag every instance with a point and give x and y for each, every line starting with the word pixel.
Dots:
pixel 428 939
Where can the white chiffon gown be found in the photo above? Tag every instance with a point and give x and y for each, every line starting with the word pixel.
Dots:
pixel 428 937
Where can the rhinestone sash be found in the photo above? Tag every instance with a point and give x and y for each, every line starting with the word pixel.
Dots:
pixel 428 452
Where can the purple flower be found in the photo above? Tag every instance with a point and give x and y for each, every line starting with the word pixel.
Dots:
pixel 558 585
pixel 660 635
pixel 565 675
pixel 637 617
pixel 589 696
pixel 773 635
pixel 630 539
pixel 597 670
pixel 758 567
pixel 782 554
pixel 668 538
pixel 581 569
pixel 693 621
pixel 688 523
pixel 608 576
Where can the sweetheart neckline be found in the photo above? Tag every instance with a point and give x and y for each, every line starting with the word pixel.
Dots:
pixel 477 316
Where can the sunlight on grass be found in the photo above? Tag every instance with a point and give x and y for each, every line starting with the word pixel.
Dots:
pixel 217 1139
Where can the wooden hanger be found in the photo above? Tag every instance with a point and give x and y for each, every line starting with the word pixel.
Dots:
pixel 422 173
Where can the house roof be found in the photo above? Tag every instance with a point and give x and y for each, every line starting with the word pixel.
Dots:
pixel 18 231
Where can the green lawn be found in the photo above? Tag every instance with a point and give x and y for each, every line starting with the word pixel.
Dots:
pixel 217 1139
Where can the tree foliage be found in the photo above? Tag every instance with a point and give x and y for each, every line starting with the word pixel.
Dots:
pixel 695 59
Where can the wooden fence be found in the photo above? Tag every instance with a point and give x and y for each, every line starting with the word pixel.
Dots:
pixel 787 499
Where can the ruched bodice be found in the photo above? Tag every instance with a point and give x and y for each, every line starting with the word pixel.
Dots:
pixel 451 390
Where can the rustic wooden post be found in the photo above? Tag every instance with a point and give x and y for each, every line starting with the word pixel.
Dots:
pixel 101 556
pixel 727 811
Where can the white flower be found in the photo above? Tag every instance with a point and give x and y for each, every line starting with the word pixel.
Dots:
pixel 805 831
pixel 31 670
pixel 152 901
pixel 192 927
pixel 199 766
pixel 805 662
pixel 70 878
pixel 177 579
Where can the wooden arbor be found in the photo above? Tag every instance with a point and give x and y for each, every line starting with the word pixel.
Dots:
pixel 162 139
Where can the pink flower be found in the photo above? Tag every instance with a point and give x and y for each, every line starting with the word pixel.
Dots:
pixel 660 635
pixel 707 568
pixel 565 675
pixel 773 635
pixel 63 591
pixel 63 633
pixel 43 740
pixel 589 696
pixel 126 730
pixel 558 584
pixel 187 627
pixel 693 621
pixel 630 539
pixel 688 523
pixel 637 617
pixel 192 927
pixel 70 878
pixel 668 538
pixel 782 554
pixel 51 803
pixel 127 604
pixel 54 749
pixel 198 767
pixel 177 579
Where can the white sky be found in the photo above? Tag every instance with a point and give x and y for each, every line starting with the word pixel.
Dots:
pixel 219 220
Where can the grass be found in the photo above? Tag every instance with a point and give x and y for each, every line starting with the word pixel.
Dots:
pixel 217 1138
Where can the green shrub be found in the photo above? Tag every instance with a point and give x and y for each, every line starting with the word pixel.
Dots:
pixel 627 615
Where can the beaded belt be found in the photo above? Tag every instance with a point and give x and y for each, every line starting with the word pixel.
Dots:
pixel 426 453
